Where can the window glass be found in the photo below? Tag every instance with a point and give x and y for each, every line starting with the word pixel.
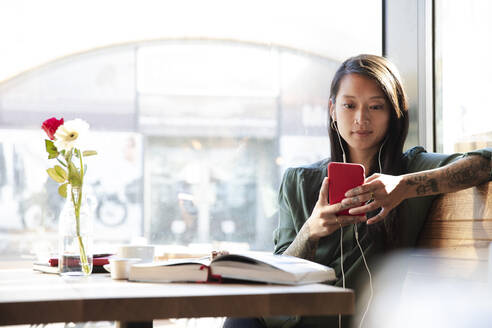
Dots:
pixel 207 68
pixel 193 133
pixel 217 149
pixel 97 86
pixel 29 200
pixel 463 48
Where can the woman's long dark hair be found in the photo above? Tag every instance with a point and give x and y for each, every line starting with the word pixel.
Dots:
pixel 386 75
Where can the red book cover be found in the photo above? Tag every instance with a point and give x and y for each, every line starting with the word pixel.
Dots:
pixel 97 260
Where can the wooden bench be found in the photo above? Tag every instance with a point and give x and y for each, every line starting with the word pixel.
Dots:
pixel 446 281
pixel 457 234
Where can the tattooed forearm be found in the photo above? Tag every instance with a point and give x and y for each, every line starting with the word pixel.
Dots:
pixel 416 180
pixel 429 186
pixel 469 172
pixel 303 246
pixel 424 184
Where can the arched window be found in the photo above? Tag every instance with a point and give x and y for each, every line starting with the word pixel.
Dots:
pixel 193 137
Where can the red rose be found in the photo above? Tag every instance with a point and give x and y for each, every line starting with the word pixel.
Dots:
pixel 50 125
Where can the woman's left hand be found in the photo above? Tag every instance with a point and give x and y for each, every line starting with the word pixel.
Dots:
pixel 386 191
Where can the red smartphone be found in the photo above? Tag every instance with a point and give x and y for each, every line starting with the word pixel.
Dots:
pixel 341 178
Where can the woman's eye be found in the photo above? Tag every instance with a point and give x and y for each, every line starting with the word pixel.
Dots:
pixel 376 107
pixel 349 106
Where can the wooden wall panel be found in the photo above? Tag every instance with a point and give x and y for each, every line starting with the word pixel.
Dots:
pixel 456 236
pixel 461 230
pixel 469 204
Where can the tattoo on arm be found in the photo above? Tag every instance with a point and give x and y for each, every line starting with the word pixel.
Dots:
pixel 429 186
pixel 302 246
pixel 424 184
pixel 467 172
pixel 414 181
pixel 470 172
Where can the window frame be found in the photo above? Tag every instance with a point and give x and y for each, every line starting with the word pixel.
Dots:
pixel 408 41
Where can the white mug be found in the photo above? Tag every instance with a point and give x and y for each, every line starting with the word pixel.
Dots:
pixel 143 252
pixel 120 267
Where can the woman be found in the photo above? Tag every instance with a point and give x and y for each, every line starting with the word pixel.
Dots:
pixel 368 124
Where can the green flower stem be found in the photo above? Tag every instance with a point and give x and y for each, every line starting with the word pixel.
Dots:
pixel 59 161
pixel 81 175
pixel 83 257
pixel 77 204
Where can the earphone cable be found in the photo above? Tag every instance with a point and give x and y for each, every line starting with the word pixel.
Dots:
pixel 357 240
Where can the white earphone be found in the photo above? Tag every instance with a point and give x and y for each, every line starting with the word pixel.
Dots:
pixel 334 122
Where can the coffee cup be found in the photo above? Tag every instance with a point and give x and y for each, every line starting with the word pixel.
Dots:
pixel 143 252
pixel 120 267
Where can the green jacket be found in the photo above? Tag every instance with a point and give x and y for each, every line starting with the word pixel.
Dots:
pixel 298 194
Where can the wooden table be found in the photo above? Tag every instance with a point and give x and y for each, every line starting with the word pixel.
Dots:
pixel 28 297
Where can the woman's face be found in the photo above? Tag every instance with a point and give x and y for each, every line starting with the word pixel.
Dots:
pixel 362 113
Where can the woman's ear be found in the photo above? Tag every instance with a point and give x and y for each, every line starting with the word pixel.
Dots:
pixel 331 108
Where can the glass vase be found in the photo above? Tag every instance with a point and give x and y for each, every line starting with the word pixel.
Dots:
pixel 75 235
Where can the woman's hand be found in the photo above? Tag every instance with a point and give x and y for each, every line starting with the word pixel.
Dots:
pixel 323 220
pixel 386 191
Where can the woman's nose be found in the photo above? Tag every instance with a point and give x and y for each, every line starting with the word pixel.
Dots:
pixel 362 115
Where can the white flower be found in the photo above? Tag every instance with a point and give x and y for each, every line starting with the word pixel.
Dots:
pixel 70 134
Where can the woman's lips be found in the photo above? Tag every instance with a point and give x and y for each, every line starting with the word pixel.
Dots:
pixel 362 133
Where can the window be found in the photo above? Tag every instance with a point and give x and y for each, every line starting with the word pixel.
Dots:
pixel 462 75
pixel 193 133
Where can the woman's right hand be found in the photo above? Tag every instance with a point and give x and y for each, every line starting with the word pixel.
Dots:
pixel 323 220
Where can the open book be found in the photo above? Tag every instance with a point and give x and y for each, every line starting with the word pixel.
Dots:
pixel 251 266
